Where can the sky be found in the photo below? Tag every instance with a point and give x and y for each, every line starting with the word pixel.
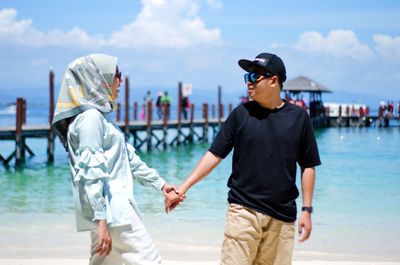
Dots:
pixel 351 47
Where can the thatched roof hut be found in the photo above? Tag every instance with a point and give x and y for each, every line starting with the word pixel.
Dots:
pixel 304 84
pixel 296 86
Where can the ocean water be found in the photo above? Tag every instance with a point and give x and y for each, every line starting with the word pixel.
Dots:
pixel 356 199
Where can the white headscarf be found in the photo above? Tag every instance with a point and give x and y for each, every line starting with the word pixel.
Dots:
pixel 87 84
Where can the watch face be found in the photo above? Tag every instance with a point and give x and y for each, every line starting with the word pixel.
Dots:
pixel 307 209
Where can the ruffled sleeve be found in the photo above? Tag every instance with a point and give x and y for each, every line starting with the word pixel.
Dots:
pixel 91 163
pixel 91 168
pixel 145 175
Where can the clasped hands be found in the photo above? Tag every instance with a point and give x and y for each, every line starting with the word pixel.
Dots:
pixel 172 197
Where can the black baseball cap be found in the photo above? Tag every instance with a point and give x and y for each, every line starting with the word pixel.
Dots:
pixel 265 63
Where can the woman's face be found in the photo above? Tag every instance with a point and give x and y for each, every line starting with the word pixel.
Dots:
pixel 115 86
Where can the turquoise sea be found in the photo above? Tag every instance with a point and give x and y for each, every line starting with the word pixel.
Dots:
pixel 356 199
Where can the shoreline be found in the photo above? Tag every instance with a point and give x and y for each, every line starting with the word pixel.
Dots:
pixel 66 261
pixel 177 241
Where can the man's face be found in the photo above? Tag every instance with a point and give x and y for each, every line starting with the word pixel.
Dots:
pixel 261 87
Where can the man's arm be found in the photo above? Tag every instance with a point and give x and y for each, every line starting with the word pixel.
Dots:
pixel 207 163
pixel 307 189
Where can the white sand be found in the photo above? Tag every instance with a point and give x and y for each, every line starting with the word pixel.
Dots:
pixel 55 242
pixel 85 262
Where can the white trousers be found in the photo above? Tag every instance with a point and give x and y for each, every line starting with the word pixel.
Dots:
pixel 131 245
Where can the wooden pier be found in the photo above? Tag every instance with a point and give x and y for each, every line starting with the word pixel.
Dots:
pixel 152 134
pixel 350 117
pixel 148 134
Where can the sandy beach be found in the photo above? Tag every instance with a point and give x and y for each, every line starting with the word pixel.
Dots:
pixel 179 243
pixel 170 262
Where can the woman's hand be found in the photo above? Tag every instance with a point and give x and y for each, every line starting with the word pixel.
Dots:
pixel 172 197
pixel 104 244
pixel 167 188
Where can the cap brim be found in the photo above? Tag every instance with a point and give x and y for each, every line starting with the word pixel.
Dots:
pixel 250 66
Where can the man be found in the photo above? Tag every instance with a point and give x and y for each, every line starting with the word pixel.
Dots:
pixel 269 136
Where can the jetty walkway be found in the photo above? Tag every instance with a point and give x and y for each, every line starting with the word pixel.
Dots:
pixel 148 134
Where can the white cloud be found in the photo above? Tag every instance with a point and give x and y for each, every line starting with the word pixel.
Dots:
pixel 339 43
pixel 22 32
pixel 387 46
pixel 160 24
pixel 166 24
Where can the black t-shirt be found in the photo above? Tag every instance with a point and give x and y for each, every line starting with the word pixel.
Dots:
pixel 267 145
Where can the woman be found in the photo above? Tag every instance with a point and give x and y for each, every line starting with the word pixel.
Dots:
pixel 103 164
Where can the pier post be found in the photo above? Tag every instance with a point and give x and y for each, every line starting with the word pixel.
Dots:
pixel 51 136
pixel 219 107
pixel 213 111
pixel 24 108
pixel 126 107
pixel 327 119
pixel 148 127
pixel 23 122
pixel 118 116
pixel 178 129
pixel 135 110
pixel 165 129
pixel 18 134
pixel 347 116
pixel 205 126
pixel 191 130
pixel 340 118
pixel 367 118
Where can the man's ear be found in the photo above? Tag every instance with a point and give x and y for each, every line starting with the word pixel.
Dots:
pixel 274 81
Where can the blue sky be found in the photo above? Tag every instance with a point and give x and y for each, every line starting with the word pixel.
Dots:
pixel 351 47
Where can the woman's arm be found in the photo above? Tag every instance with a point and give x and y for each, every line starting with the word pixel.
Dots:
pixel 145 175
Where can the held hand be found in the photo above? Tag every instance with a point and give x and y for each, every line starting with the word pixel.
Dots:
pixel 167 188
pixel 172 199
pixel 305 226
pixel 104 244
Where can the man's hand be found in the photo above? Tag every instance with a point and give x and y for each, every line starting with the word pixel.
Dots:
pixel 104 238
pixel 305 226
pixel 172 199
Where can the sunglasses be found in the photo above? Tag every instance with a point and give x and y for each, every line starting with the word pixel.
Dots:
pixel 118 74
pixel 253 77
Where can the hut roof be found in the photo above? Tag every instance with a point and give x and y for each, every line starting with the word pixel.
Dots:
pixel 304 84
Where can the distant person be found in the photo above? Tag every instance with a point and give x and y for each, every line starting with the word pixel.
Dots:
pixel 300 102
pixel 185 105
pixel 143 111
pixel 103 166
pixel 381 111
pixel 158 105
pixel 353 110
pixel 361 112
pixel 268 136
pixel 391 108
pixel 166 103
pixel 148 97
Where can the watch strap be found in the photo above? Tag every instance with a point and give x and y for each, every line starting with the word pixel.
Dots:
pixel 307 209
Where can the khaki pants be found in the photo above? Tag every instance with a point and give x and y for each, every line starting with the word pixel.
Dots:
pixel 255 238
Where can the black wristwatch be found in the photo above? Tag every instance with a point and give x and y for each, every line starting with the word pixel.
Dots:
pixel 307 209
